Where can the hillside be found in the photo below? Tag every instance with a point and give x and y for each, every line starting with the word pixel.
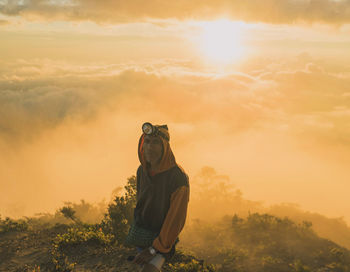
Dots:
pixel 257 242
pixel 261 242
pixel 39 250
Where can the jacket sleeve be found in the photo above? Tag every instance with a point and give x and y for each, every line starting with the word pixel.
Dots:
pixel 174 220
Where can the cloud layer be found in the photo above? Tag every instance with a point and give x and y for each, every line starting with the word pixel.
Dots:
pixel 300 95
pixel 269 11
pixel 278 127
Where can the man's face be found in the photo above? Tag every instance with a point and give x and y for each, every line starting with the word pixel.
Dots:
pixel 153 148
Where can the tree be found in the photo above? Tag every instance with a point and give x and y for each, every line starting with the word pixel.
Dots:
pixel 121 211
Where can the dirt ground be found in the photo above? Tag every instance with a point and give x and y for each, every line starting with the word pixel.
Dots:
pixel 32 251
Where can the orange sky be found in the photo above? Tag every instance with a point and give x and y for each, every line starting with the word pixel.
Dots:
pixel 262 94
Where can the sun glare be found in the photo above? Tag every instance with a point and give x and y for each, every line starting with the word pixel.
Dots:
pixel 221 41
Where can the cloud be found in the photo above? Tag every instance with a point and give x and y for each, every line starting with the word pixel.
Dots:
pixel 70 131
pixel 4 22
pixel 270 11
pixel 304 96
pixel 38 97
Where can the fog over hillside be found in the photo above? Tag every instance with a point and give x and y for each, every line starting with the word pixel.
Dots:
pixel 276 129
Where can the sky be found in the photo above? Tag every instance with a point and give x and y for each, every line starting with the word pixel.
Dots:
pixel 258 90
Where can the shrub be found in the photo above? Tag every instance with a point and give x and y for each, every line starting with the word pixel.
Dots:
pixel 12 225
pixel 79 235
pixel 69 213
pixel 121 211
pixel 82 235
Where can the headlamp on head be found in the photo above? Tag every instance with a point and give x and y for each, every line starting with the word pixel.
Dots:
pixel 149 129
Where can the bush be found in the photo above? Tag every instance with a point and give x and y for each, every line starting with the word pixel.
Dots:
pixel 86 212
pixel 12 225
pixel 69 213
pixel 79 235
pixel 82 235
pixel 121 211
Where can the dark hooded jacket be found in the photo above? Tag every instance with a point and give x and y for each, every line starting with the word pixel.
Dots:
pixel 162 197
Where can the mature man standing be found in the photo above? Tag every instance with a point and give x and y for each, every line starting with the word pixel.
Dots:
pixel 162 200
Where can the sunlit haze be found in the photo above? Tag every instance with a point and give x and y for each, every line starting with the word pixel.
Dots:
pixel 263 98
pixel 221 41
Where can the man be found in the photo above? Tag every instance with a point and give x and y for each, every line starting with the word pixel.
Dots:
pixel 162 200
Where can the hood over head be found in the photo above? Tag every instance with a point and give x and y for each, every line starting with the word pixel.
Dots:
pixel 167 160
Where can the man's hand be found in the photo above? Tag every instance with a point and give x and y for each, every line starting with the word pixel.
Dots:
pixel 143 257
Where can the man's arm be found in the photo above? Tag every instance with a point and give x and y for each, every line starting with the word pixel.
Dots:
pixel 174 220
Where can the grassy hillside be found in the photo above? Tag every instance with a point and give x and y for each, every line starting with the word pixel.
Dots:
pixel 263 242
pixel 66 241
pixel 260 242
pixel 72 247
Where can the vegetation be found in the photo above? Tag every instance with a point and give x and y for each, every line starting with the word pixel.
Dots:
pixel 254 242
pixel 120 212
pixel 82 235
pixel 263 242
pixel 69 212
pixel 74 237
pixel 9 225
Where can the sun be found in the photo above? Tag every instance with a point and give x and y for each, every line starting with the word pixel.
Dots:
pixel 221 41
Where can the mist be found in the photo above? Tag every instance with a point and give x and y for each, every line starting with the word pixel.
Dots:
pixel 275 129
